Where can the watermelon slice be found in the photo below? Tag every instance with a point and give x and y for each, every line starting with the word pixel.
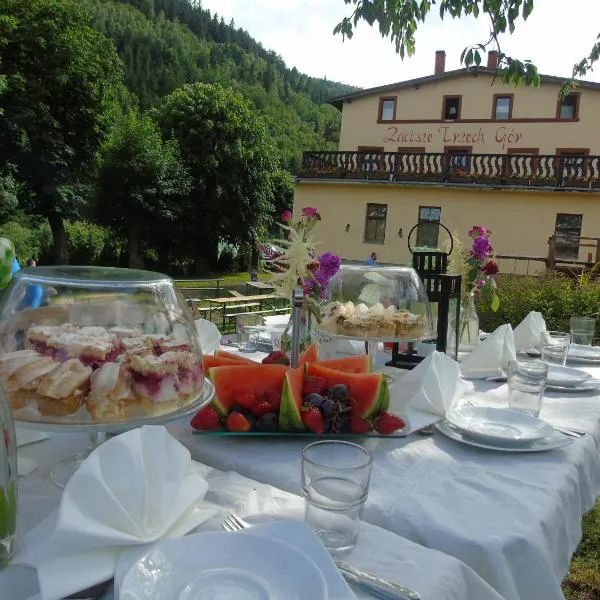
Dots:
pixel 348 364
pixel 291 401
pixel 232 381
pixel 309 355
pixel 235 357
pixel 209 361
pixel 369 390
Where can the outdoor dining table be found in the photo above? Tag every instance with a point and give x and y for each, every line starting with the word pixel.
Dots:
pixel 515 519
pixel 258 301
pixel 437 576
pixel 258 285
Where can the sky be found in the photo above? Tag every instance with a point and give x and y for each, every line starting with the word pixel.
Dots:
pixel 557 34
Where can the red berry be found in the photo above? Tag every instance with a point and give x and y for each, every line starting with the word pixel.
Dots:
pixel 313 419
pixel 261 408
pixel 206 419
pixel 358 425
pixel 276 358
pixel 387 423
pixel 237 422
pixel 247 400
pixel 313 385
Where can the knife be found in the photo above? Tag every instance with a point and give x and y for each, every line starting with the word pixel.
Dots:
pixel 379 587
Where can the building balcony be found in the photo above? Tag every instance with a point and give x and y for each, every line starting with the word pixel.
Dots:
pixel 555 172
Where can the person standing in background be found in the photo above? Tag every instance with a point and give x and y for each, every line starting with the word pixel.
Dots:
pixel 372 260
pixel 31 262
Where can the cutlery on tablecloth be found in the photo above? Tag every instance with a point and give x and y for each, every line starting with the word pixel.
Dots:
pixel 381 588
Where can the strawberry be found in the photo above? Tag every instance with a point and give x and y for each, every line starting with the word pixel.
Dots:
pixel 276 358
pixel 313 385
pixel 262 407
pixel 358 425
pixel 237 422
pixel 387 423
pixel 206 419
pixel 247 400
pixel 313 419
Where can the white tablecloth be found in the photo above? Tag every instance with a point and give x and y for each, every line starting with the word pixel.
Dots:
pixel 515 519
pixel 436 575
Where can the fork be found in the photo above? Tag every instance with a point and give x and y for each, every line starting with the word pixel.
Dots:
pixel 378 587
pixel 570 432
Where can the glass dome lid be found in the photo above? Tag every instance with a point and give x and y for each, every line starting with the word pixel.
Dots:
pixel 97 344
pixel 377 302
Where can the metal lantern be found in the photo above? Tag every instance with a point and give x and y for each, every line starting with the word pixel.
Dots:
pixel 443 292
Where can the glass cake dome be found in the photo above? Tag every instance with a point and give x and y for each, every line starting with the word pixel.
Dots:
pixel 377 302
pixel 92 345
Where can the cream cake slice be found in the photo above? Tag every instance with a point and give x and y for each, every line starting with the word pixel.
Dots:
pixel 190 372
pixel 110 392
pixel 62 392
pixel 22 384
pixel 155 382
pixel 90 350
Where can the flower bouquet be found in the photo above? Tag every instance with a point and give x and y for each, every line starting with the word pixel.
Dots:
pixel 297 265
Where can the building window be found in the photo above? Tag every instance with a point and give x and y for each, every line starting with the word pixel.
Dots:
pixel 567 232
pixel 502 107
pixel 375 223
pixel 428 230
pixel 458 160
pixel 568 108
pixel 387 109
pixel 451 108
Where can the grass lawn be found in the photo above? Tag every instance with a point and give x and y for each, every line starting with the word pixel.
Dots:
pixel 229 279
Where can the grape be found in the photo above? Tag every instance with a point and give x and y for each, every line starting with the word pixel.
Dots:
pixel 314 400
pixel 328 408
pixel 339 391
pixel 266 423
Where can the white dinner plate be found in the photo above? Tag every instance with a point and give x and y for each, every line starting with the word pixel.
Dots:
pixel 223 566
pixel 499 426
pixel 553 442
pixel 566 376
pixel 589 385
pixel 584 354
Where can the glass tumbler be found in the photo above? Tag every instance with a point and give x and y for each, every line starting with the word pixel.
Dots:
pixel 582 330
pixel 248 327
pixel 335 485
pixel 555 347
pixel 526 385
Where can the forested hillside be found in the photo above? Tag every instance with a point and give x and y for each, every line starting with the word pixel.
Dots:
pixel 166 43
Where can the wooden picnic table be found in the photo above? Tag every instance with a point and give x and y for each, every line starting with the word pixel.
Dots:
pixel 215 287
pixel 258 285
pixel 241 302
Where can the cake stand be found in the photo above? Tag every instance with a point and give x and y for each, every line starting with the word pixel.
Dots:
pixel 98 431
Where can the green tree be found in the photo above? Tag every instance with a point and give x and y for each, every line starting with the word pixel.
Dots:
pixel 227 151
pixel 141 182
pixel 63 80
pixel 400 19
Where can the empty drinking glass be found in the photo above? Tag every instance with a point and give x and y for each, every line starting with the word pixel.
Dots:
pixel 582 330
pixel 248 327
pixel 526 385
pixel 555 347
pixel 335 484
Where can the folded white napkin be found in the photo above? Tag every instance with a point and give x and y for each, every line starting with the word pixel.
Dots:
pixel 210 336
pixel 134 489
pixel 277 321
pixel 527 332
pixel 490 357
pixel 423 395
pixel 29 436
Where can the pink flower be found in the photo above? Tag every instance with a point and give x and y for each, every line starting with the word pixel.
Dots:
pixel 311 213
pixel 491 268
pixel 481 283
pixel 478 231
pixel 286 216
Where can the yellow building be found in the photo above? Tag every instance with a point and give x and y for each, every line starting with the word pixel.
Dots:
pixel 463 148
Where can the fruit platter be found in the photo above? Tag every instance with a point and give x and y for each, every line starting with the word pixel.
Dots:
pixel 338 396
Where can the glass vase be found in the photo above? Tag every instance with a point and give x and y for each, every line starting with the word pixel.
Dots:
pixel 469 325
pixel 8 482
pixel 306 332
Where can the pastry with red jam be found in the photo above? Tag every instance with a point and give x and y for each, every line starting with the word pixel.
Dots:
pixel 110 392
pixel 63 391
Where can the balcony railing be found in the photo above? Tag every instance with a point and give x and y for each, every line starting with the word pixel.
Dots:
pixel 499 170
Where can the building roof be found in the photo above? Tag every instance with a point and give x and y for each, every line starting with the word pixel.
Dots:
pixel 338 101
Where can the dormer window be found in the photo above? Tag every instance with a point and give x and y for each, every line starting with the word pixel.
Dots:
pixel 387 109
pixel 568 107
pixel 451 108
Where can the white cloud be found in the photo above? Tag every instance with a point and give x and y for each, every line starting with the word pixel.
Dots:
pixel 301 32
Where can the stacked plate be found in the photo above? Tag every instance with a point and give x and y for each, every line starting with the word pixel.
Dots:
pixel 501 429
pixel 589 355
pixel 567 379
pixel 223 566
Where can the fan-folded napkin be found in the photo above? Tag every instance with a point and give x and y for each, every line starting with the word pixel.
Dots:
pixel 490 358
pixel 528 332
pixel 423 395
pixel 134 489
pixel 209 336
